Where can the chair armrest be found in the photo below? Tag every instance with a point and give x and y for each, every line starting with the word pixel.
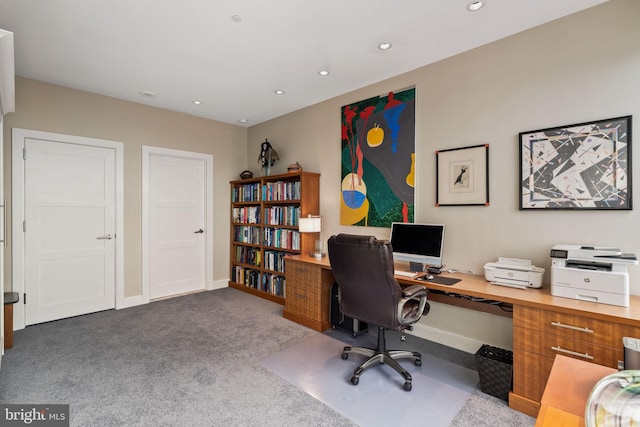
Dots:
pixel 414 292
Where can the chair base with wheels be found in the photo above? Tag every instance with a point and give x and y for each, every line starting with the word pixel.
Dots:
pixel 381 355
pixel 364 270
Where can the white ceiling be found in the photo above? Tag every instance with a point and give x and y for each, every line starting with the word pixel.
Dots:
pixel 193 50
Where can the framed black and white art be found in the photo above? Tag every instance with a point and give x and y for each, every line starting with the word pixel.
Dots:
pixel 462 176
pixel 581 166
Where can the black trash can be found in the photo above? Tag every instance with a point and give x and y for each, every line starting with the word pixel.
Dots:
pixel 495 368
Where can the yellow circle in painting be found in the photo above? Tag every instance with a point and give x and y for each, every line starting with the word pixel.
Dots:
pixel 375 136
pixel 354 205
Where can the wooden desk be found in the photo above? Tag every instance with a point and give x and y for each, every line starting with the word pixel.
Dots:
pixel 543 325
pixel 565 395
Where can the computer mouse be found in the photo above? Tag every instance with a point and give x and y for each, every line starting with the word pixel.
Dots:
pixel 429 276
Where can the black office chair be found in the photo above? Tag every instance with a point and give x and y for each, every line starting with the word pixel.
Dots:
pixel 369 292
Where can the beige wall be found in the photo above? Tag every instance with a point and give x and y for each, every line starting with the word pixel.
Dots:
pixel 46 107
pixel 579 68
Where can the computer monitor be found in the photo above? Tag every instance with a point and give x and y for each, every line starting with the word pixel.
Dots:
pixel 419 244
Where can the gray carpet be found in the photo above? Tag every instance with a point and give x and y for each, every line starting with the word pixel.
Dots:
pixel 188 361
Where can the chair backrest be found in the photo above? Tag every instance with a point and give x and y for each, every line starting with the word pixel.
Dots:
pixel 363 269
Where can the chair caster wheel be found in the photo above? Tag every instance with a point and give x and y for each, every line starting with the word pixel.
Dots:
pixel 355 380
pixel 345 356
pixel 407 386
pixel 418 362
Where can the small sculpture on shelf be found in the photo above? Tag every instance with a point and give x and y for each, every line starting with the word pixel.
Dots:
pixel 246 174
pixel 294 167
pixel 268 156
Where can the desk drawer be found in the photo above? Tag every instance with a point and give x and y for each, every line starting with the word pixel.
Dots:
pixel 580 328
pixel 549 345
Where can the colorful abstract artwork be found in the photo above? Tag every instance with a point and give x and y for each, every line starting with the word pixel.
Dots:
pixel 581 166
pixel 378 160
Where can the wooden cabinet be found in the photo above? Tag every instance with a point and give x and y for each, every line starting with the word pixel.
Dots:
pixel 308 294
pixel 265 213
pixel 539 335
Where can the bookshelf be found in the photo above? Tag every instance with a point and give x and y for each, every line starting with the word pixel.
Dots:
pixel 265 212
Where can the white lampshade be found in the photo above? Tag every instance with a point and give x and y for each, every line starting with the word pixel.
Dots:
pixel 313 224
pixel 310 224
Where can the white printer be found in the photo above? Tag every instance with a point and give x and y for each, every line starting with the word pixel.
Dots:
pixel 591 273
pixel 514 272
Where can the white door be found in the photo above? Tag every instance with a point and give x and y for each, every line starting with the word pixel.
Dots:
pixel 176 225
pixel 69 229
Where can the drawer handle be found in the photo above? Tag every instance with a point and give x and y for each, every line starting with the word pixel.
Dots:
pixel 573 353
pixel 575 328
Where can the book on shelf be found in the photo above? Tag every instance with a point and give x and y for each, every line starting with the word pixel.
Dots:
pixel 246 215
pixel 246 193
pixel 274 260
pixel 282 238
pixel 281 191
pixel 282 215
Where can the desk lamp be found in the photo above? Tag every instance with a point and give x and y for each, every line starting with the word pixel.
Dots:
pixel 313 224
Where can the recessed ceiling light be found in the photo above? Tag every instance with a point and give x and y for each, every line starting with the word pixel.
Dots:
pixel 147 93
pixel 243 120
pixel 384 46
pixel 323 72
pixel 475 5
pixel 197 102
pixel 236 18
pixel 279 92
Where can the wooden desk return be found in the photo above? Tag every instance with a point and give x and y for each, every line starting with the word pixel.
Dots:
pixel 543 325
pixel 565 397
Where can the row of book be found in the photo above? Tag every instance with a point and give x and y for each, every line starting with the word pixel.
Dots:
pixel 246 193
pixel 282 238
pixel 246 276
pixel 274 284
pixel 248 255
pixel 271 283
pixel 274 260
pixel 246 234
pixel 282 215
pixel 271 191
pixel 246 215
pixel 281 190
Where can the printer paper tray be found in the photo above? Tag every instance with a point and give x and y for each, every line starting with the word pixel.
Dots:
pixel 596 286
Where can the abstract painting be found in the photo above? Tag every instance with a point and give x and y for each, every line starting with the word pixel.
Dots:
pixel 378 160
pixel 580 166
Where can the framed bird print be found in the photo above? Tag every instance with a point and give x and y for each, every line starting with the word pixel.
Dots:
pixel 462 176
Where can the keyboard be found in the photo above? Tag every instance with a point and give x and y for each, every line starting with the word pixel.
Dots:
pixel 404 273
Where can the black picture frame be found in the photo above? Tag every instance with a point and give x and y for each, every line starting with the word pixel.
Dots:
pixel 462 176
pixel 583 166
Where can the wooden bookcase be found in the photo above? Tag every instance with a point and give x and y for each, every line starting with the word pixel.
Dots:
pixel 265 213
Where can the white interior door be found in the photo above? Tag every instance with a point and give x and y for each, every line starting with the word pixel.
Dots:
pixel 69 229
pixel 177 225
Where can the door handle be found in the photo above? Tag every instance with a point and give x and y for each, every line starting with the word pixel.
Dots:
pixel 199 231
pixel 107 237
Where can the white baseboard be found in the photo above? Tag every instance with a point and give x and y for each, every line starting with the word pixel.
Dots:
pixel 217 284
pixel 446 338
pixel 127 302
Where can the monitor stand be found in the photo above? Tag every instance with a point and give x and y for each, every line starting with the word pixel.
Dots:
pixel 416 266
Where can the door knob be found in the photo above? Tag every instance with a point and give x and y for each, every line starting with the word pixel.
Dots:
pixel 107 237
pixel 199 231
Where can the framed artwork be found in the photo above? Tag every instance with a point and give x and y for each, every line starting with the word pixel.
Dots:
pixel 462 176
pixel 580 166
pixel 378 160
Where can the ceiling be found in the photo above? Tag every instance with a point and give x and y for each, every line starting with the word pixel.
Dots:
pixel 233 54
